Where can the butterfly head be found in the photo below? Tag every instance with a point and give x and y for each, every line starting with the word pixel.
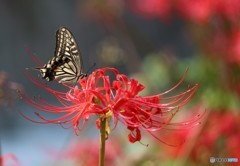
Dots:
pixel 46 73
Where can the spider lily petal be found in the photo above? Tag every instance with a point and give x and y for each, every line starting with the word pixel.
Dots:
pixel 117 101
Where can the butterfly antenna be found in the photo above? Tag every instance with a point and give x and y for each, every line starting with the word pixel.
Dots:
pixel 33 68
pixel 91 68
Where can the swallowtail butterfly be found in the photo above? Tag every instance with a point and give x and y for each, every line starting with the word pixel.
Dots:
pixel 66 65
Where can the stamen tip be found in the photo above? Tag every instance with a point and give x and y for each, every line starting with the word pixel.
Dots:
pixel 144 144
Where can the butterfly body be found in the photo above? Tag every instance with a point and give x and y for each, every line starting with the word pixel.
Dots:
pixel 66 64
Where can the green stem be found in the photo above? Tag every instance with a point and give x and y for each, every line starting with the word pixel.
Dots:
pixel 102 141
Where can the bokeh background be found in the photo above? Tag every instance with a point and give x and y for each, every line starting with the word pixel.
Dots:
pixel 151 40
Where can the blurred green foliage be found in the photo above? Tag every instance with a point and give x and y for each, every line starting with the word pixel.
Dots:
pixel 159 73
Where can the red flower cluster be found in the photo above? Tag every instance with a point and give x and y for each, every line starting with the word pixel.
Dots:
pixel 222 131
pixel 116 101
pixel 219 22
pixel 219 137
pixel 200 11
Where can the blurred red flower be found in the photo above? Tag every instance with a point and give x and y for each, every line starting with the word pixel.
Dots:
pixel 9 159
pixel 229 10
pixel 234 47
pixel 152 9
pixel 116 101
pixel 107 12
pixel 224 45
pixel 217 28
pixel 220 133
pixel 199 11
pixel 85 152
pixel 219 137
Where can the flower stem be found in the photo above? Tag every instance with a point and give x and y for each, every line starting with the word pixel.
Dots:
pixel 102 141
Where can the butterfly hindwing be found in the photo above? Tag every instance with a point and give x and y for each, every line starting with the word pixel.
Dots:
pixel 66 65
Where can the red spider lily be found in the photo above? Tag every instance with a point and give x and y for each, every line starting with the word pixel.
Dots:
pixel 116 101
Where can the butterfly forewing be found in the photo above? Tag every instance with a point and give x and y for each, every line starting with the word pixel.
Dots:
pixel 66 65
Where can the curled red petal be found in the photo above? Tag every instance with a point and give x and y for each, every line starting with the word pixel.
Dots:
pixel 135 135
